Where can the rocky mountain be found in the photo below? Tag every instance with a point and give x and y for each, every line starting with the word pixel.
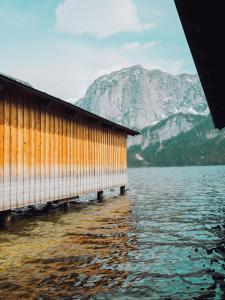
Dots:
pixel 170 111
pixel 137 97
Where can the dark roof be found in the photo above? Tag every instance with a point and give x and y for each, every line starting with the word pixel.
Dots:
pixel 16 79
pixel 67 105
pixel 204 26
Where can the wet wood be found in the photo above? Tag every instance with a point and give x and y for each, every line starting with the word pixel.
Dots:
pixel 100 195
pixel 122 190
pixel 5 219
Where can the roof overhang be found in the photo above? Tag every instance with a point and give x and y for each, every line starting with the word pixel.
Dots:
pixel 203 22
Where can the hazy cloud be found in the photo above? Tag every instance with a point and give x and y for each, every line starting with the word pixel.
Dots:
pixel 135 46
pixel 99 18
pixel 78 66
pixel 157 13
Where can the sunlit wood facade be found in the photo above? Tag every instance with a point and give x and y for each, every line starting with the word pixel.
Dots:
pixel 51 150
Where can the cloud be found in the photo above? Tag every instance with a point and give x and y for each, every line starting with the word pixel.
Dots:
pixel 65 66
pixel 66 70
pixel 151 44
pixel 98 18
pixel 157 13
pixel 135 46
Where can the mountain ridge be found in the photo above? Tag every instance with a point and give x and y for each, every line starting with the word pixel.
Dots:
pixel 170 111
pixel 201 145
pixel 136 97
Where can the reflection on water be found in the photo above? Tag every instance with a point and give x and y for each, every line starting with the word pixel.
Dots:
pixel 67 254
pixel 166 240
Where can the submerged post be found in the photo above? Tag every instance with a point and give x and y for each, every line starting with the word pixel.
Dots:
pixel 66 205
pixel 5 219
pixel 122 190
pixel 100 195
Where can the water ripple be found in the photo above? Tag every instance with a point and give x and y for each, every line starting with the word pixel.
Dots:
pixel 166 240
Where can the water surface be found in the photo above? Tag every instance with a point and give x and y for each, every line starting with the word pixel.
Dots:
pixel 165 240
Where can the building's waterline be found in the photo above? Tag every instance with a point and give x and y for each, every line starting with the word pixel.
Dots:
pixel 165 240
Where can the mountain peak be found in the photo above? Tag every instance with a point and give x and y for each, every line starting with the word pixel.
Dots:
pixel 136 67
pixel 137 97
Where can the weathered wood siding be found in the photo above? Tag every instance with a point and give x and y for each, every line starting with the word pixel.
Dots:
pixel 48 153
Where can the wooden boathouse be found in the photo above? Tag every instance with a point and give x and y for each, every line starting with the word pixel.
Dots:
pixel 51 150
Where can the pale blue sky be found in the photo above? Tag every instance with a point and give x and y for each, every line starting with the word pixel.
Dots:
pixel 61 46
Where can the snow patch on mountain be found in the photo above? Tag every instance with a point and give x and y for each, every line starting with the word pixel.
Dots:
pixel 136 97
pixel 139 157
pixel 167 129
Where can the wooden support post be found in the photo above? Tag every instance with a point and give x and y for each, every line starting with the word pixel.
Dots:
pixel 32 209
pixel 66 206
pixel 48 206
pixel 100 195
pixel 122 190
pixel 5 219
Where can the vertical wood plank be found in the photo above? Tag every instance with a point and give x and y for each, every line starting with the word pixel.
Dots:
pixel 51 156
pixel 91 152
pixel 111 158
pixel 43 155
pixel 14 151
pixel 68 156
pixel 125 159
pixel 26 153
pixel 72 158
pixel 78 158
pixel 38 153
pixel 82 157
pixel 7 148
pixel 107 159
pixel 64 144
pixel 1 150
pixel 47 155
pixel 85 157
pixel 56 155
pixel 20 147
pixel 103 158
pixel 60 172
pixel 32 153
pixel 97 158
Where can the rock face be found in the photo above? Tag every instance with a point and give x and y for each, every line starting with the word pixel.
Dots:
pixel 167 129
pixel 136 97
pixel 170 111
pixel 182 139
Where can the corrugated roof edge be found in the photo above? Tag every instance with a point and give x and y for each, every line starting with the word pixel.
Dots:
pixel 69 105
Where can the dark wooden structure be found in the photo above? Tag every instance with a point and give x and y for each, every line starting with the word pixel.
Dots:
pixel 204 27
pixel 51 150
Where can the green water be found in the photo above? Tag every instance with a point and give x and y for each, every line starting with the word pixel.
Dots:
pixel 165 240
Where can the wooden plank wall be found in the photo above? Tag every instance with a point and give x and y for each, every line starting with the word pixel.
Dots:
pixel 48 154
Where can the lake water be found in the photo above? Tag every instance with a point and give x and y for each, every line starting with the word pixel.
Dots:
pixel 165 240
